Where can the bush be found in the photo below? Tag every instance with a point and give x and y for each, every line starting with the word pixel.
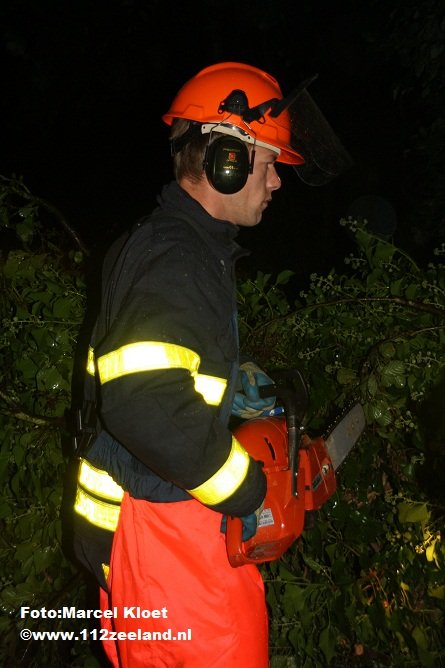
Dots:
pixel 365 586
pixel 42 306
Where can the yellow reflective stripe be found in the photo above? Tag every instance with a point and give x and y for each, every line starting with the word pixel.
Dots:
pixel 106 571
pixel 99 482
pixel 152 355
pixel 101 514
pixel 145 356
pixel 226 480
pixel 211 388
pixel 91 366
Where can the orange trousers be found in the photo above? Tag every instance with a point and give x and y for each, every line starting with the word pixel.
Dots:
pixel 173 599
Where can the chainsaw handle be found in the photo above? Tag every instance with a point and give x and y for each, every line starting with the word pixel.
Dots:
pixel 290 386
pixel 234 543
pixel 294 402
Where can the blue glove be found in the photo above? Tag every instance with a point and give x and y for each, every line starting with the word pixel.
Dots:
pixel 250 524
pixel 247 404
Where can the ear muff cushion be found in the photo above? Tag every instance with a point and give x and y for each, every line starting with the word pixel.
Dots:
pixel 227 164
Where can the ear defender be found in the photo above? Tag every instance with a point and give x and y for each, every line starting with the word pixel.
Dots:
pixel 227 164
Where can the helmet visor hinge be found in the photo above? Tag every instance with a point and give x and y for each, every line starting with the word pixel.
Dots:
pixel 237 103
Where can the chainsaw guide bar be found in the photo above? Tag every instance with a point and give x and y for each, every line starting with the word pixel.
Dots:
pixel 343 437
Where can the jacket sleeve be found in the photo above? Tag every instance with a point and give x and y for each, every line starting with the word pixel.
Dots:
pixel 158 414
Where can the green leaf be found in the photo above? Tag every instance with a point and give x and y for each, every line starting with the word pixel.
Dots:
pixel 437 592
pixel 372 385
pixel 19 454
pixel 346 376
pixel 43 559
pixel 27 368
pixel 13 597
pixel 387 349
pixel 284 276
pixel 384 253
pixel 12 264
pixel 379 412
pixel 394 368
pixel 411 291
pixel 24 551
pixel 294 599
pixel 313 565
pixel 419 637
pixel 50 379
pixel 327 642
pixel 396 287
pixel 62 307
pixel 412 512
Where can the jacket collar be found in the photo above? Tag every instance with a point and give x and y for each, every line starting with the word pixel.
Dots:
pixel 174 198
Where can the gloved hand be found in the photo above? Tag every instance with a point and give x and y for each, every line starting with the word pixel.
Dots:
pixel 247 404
pixel 250 524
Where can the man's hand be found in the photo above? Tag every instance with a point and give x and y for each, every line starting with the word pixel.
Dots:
pixel 249 522
pixel 247 403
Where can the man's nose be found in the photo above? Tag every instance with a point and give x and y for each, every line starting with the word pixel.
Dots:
pixel 273 181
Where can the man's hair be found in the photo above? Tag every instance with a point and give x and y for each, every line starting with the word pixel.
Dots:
pixel 188 161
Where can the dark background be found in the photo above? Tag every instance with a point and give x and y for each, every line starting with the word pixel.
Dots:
pixel 84 85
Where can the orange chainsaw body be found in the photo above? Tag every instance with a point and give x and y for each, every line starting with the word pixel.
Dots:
pixel 283 516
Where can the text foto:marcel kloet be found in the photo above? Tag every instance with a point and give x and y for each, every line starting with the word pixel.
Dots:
pixel 71 612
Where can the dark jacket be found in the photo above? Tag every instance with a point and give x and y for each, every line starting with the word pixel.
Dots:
pixel 172 280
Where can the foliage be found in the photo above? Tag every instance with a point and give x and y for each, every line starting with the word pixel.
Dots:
pixel 365 586
pixel 42 305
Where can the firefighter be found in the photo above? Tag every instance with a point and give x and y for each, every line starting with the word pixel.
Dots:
pixel 158 466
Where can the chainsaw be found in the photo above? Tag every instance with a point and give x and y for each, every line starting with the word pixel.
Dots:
pixel 300 470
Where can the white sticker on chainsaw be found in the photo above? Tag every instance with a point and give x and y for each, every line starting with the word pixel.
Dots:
pixel 266 518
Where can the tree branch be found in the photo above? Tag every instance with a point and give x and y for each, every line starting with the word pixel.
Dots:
pixel 419 306
pixel 22 191
pixel 19 414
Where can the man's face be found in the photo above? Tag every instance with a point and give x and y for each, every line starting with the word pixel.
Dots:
pixel 245 208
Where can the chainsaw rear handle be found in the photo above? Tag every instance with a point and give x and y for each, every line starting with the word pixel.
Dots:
pixel 287 395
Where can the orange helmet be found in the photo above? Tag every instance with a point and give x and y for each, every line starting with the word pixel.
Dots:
pixel 237 99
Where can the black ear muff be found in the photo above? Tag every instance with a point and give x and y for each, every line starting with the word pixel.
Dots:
pixel 227 164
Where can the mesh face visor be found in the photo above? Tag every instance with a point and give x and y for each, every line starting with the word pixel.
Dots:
pixel 312 136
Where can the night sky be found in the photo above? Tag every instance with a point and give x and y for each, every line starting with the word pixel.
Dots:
pixel 84 85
